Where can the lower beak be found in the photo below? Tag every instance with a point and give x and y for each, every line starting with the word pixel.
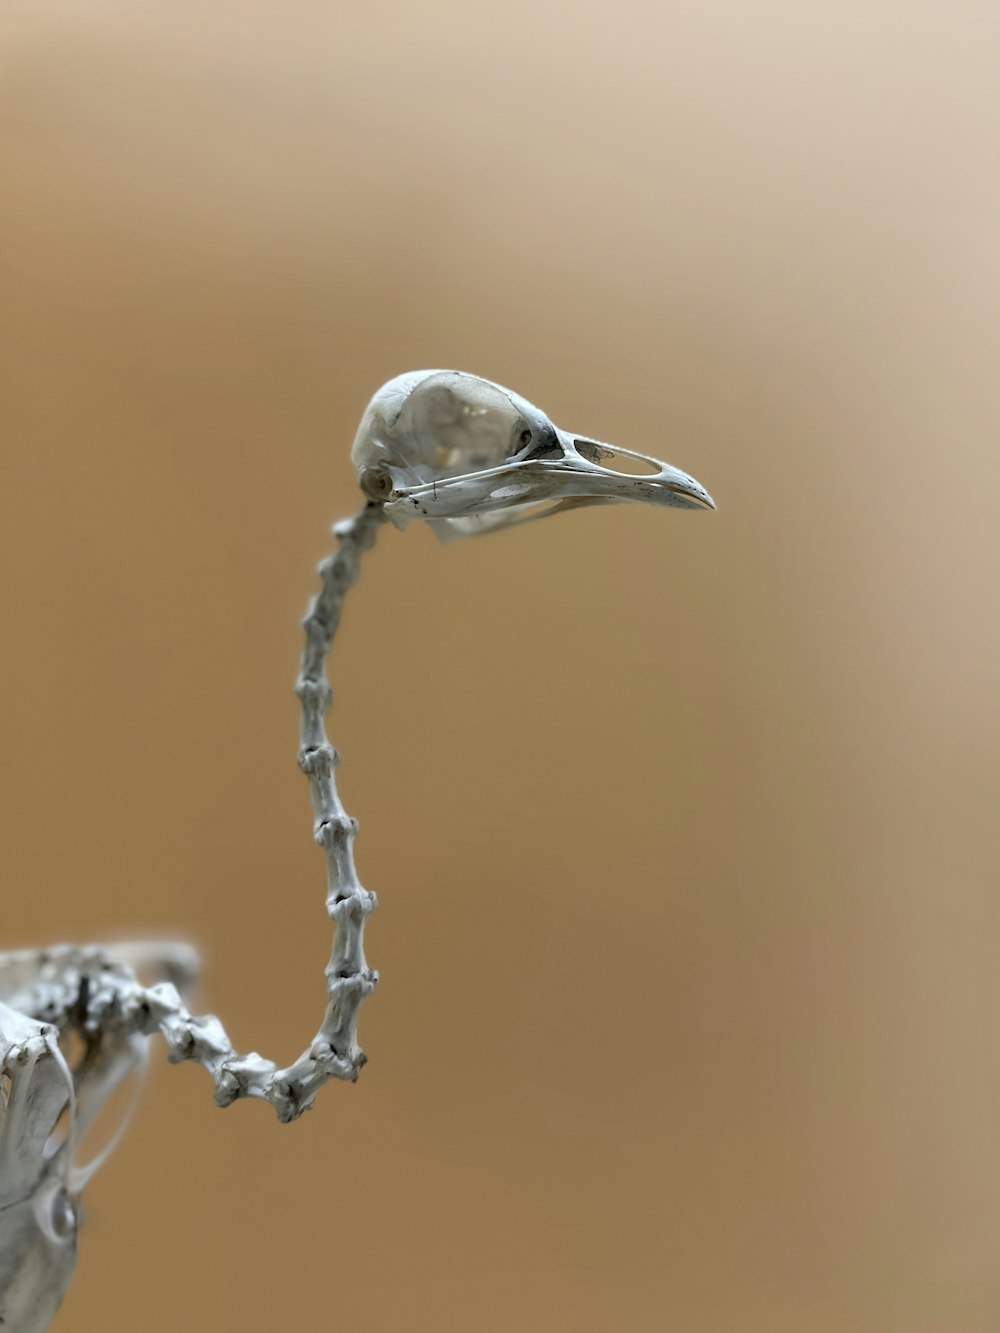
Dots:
pixel 580 475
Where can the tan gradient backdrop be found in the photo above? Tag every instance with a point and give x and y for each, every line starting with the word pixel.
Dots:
pixel 684 827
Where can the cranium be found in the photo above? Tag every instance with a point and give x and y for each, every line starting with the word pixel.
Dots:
pixel 469 456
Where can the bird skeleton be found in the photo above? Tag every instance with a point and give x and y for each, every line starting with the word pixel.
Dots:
pixel 453 450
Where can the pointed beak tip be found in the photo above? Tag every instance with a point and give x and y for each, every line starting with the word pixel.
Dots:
pixel 694 497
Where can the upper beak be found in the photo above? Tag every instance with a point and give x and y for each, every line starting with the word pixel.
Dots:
pixel 578 475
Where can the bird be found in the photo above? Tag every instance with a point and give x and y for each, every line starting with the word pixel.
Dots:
pixel 445 447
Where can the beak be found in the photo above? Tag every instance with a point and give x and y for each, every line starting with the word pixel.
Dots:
pixel 580 472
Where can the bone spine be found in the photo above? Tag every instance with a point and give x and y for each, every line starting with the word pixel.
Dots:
pixel 117 1003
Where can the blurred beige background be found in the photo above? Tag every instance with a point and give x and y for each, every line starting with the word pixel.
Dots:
pixel 683 826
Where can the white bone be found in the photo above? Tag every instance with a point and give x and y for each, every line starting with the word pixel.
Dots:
pixel 468 457
pixel 38 1212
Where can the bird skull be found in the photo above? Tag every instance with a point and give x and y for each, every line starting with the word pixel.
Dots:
pixel 469 456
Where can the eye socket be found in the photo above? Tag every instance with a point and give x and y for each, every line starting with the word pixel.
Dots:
pixel 525 438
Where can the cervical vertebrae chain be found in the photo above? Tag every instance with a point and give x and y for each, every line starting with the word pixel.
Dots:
pixel 93 993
